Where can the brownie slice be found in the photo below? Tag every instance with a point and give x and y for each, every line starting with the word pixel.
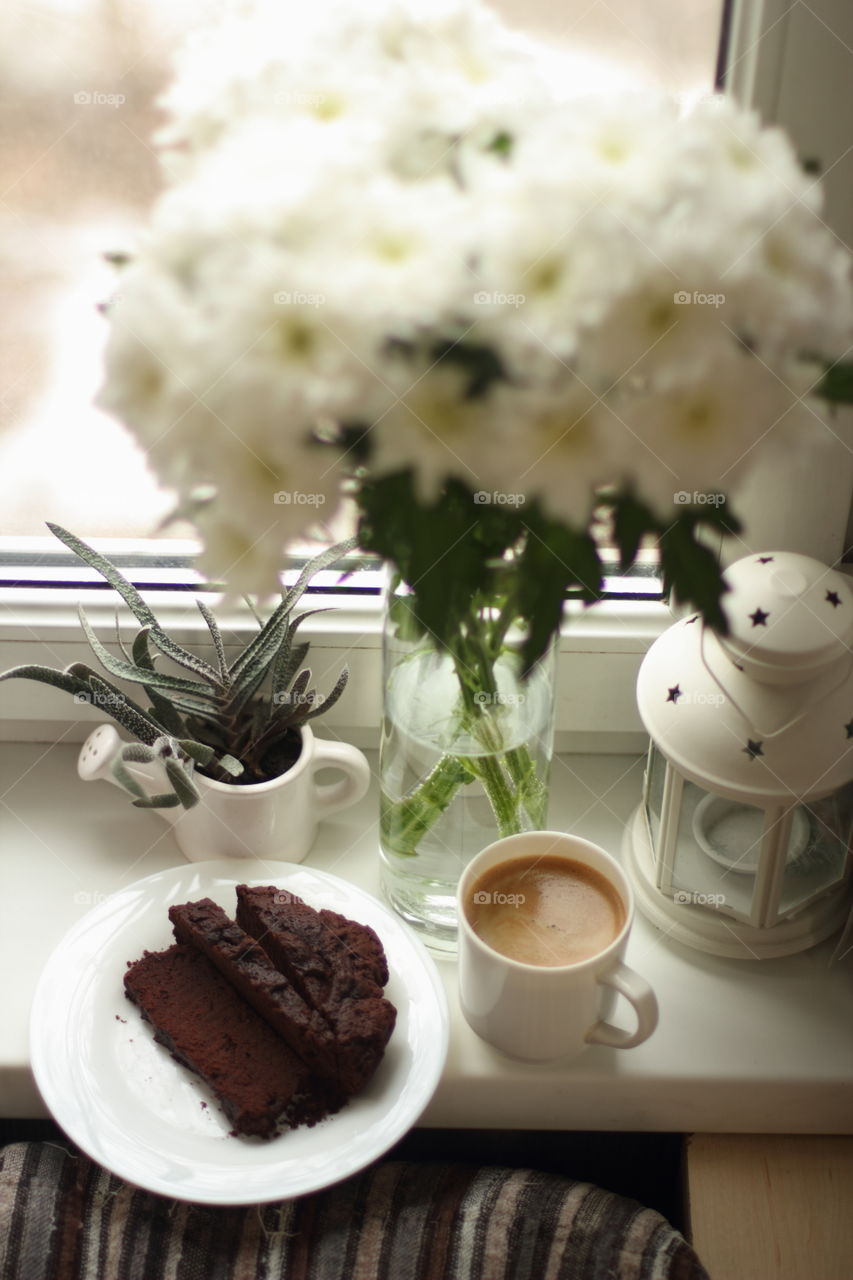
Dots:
pixel 336 980
pixel 199 1017
pixel 367 954
pixel 250 971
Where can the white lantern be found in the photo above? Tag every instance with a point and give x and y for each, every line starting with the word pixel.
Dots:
pixel 741 846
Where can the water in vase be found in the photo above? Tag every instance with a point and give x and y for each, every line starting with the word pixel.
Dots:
pixel 453 779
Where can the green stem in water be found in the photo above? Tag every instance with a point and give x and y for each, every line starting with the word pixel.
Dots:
pixel 403 824
pixel 509 777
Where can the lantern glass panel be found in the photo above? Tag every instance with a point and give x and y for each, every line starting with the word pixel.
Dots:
pixel 655 777
pixel 817 851
pixel 705 858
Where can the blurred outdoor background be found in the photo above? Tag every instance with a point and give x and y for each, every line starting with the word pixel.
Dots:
pixel 78 87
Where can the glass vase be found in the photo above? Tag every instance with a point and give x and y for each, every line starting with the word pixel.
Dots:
pixel 464 759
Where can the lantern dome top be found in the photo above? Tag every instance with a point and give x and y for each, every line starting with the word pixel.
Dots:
pixel 765 714
pixel 789 616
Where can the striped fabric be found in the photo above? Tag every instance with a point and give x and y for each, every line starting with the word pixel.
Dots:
pixel 64 1218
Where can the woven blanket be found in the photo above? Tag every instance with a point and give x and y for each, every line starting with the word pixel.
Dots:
pixel 64 1218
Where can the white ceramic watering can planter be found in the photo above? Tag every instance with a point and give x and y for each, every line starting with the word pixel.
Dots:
pixel 275 819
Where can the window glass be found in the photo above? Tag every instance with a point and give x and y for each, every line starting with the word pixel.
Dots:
pixel 78 83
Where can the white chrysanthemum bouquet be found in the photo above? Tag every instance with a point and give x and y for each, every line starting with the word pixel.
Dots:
pixel 396 257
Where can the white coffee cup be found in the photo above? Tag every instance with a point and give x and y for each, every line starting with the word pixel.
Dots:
pixel 541 1012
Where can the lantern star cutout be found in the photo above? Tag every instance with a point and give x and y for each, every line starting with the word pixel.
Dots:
pixel 674 694
pixel 833 598
pixel 753 749
pixel 759 618
pixel 765 559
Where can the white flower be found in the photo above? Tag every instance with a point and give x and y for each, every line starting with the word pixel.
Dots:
pixel 559 447
pixel 432 425
pixel 700 434
pixel 367 203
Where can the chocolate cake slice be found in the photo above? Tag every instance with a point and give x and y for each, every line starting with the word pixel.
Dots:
pixel 199 1017
pixel 336 979
pixel 367 955
pixel 251 973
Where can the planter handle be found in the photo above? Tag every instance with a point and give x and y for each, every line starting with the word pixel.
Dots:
pixel 331 796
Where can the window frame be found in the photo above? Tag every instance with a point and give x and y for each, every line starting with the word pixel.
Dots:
pixel 600 648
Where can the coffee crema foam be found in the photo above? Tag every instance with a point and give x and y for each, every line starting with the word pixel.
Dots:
pixel 545 910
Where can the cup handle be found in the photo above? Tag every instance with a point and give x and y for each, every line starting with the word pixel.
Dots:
pixel 635 989
pixel 352 763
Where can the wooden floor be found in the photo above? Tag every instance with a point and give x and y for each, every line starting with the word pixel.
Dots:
pixel 771 1208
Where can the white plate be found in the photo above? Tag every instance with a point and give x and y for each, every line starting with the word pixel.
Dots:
pixel 131 1107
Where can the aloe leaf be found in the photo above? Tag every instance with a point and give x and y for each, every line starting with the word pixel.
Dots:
pixel 230 765
pixel 121 645
pixel 204 711
pixel 326 704
pixel 292 661
pixel 108 694
pixel 161 708
pixel 247 601
pixel 216 637
pixel 137 753
pixel 276 620
pixel 140 675
pixel 125 778
pixel 268 656
pixel 182 783
pixel 165 800
pixel 319 562
pixel 183 657
pixel 141 656
pixel 166 714
pixel 248 685
pixel 295 697
pixel 113 702
pixel 198 751
pixel 114 577
pixel 65 680
pixel 134 602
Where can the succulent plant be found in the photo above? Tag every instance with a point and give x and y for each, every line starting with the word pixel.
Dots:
pixel 236 722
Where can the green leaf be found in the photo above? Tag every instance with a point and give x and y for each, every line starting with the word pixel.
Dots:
pixel 67 681
pixel 185 659
pixel 632 521
pixel 121 646
pixel 269 636
pixel 125 778
pixel 836 385
pixel 326 704
pixel 137 753
pixel 150 677
pixel 198 751
pixel 502 144
pixel 230 765
pixel 693 572
pixel 107 570
pixel 216 636
pixel 134 602
pixel 183 785
pixel 290 663
pixel 165 800
pixel 480 363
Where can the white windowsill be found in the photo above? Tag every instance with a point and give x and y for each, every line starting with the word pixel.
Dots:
pixel 742 1046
